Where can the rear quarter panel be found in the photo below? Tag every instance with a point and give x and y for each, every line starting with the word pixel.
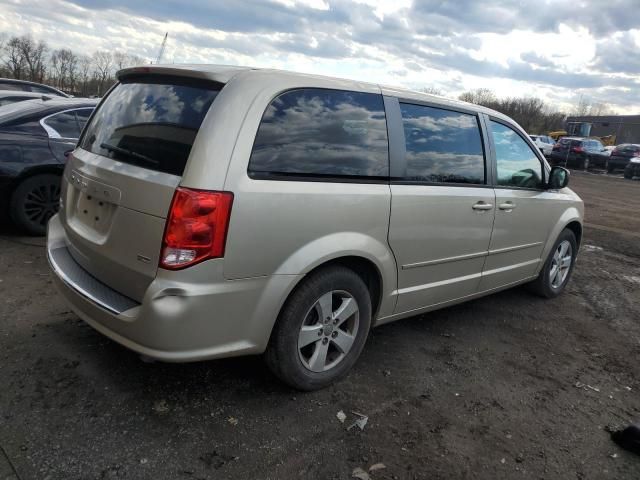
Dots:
pixel 286 227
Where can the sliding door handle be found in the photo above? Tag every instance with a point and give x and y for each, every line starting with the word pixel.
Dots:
pixel 508 206
pixel 483 206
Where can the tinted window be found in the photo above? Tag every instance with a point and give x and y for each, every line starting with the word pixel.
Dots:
pixel 517 164
pixel 318 132
pixel 442 146
pixel 150 124
pixel 82 116
pixel 16 87
pixel 64 124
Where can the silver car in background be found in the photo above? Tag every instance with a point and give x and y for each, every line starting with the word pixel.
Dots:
pixel 214 211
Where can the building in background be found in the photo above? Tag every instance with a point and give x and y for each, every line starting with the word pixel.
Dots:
pixel 624 128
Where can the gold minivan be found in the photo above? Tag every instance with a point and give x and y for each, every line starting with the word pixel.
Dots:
pixel 214 211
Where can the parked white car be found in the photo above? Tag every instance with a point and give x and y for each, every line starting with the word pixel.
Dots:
pixel 544 143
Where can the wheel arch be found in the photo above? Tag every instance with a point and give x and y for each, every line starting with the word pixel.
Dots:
pixel 571 219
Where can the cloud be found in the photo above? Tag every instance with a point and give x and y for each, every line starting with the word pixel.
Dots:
pixel 553 49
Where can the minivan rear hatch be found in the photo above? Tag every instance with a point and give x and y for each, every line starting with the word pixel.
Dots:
pixel 121 179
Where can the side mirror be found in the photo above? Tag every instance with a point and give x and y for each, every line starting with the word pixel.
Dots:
pixel 558 178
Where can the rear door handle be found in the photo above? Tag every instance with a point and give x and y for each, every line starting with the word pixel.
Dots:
pixel 483 206
pixel 508 206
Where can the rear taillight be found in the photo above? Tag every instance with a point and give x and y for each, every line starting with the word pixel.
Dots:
pixel 577 149
pixel 196 227
pixel 615 152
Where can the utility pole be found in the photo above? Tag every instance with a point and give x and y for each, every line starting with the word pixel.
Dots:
pixel 162 47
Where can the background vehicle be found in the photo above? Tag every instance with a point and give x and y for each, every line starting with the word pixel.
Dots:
pixel 7 97
pixel 26 86
pixel 544 143
pixel 632 169
pixel 622 155
pixel 34 136
pixel 579 152
pixel 328 207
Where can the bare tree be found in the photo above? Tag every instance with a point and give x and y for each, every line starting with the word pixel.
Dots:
pixel 432 90
pixel 85 64
pixel 14 61
pixel 34 54
pixel 480 96
pixel 103 66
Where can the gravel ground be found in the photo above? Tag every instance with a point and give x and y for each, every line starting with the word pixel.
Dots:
pixel 508 386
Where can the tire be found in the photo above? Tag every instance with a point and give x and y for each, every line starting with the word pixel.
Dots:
pixel 627 174
pixel 610 169
pixel 34 201
pixel 304 368
pixel 585 164
pixel 543 285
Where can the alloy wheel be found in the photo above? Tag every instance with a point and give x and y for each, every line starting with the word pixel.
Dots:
pixel 560 264
pixel 42 203
pixel 328 331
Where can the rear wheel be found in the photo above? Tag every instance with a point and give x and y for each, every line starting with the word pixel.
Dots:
pixel 585 163
pixel 557 270
pixel 321 330
pixel 34 202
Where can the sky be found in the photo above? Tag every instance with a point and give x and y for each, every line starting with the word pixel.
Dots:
pixel 558 50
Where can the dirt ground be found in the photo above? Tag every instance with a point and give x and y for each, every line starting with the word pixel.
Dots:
pixel 509 386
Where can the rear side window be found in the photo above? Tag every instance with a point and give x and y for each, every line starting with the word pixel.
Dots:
pixel 442 146
pixel 150 122
pixel 322 133
pixel 63 124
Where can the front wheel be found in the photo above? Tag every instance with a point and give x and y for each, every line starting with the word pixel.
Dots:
pixel 557 270
pixel 321 330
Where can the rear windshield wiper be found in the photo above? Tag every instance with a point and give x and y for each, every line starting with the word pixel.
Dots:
pixel 129 153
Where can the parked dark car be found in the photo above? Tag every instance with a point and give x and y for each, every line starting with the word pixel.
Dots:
pixel 34 137
pixel 25 86
pixel 579 152
pixel 622 155
pixel 633 168
pixel 7 97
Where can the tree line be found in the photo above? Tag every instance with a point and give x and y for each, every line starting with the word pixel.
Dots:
pixel 532 113
pixel 23 58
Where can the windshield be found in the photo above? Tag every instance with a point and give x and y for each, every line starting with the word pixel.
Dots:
pixel 150 122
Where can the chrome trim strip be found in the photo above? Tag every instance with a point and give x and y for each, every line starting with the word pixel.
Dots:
pixel 438 261
pixel 512 249
pixel 469 256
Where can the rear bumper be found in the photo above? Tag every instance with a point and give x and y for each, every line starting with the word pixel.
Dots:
pixel 188 315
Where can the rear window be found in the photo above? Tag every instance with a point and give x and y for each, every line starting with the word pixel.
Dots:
pixel 150 122
pixel 322 133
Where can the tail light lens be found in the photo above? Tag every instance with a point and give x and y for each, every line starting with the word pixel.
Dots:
pixel 196 227
pixel 577 149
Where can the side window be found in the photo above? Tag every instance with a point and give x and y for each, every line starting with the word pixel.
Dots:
pixel 64 124
pixel 318 132
pixel 517 164
pixel 442 146
pixel 83 115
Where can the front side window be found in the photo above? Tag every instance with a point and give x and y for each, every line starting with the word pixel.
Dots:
pixel 517 164
pixel 442 146
pixel 62 124
pixel 150 122
pixel 322 133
